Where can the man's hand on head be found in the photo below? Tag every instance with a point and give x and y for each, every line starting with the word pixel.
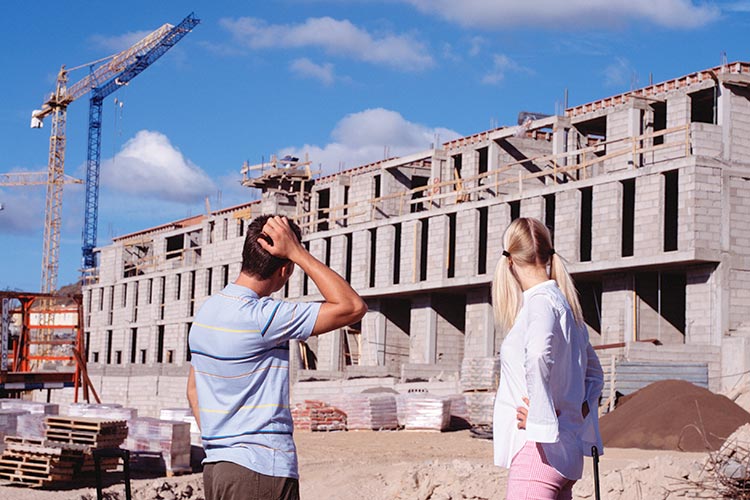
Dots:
pixel 278 239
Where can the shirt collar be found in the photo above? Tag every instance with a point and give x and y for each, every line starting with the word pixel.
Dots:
pixel 235 289
pixel 527 293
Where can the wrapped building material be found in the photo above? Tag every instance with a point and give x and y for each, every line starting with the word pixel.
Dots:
pixel 8 423
pixel 424 412
pixel 159 443
pixel 369 411
pixel 480 406
pixel 30 406
pixel 111 411
pixel 184 415
pixel 31 425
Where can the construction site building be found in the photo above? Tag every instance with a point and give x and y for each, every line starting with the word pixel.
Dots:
pixel 647 194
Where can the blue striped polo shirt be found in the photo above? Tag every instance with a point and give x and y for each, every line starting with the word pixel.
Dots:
pixel 240 354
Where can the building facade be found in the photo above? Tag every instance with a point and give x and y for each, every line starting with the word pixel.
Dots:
pixel 647 194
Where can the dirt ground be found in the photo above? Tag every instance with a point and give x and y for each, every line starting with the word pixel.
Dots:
pixel 409 465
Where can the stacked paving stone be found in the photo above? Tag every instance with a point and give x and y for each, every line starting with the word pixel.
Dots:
pixel 9 422
pixel 479 379
pixel 424 412
pixel 369 411
pixel 184 415
pixel 318 416
pixel 159 444
pixel 30 418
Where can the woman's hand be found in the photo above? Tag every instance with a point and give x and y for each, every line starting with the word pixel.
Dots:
pixel 522 413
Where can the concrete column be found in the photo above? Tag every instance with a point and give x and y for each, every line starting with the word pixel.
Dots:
pixel 606 222
pixel 317 249
pixel 410 251
pixel 533 207
pixel 498 220
pixel 567 224
pixel 480 324
pixel 617 310
pixel 701 306
pixel 467 242
pixel 423 328
pixel 648 239
pixel 386 236
pixel 373 335
pixel 338 254
pixel 437 248
pixel 360 259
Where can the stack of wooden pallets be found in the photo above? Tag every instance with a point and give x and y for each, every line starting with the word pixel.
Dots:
pixel 38 462
pixel 65 451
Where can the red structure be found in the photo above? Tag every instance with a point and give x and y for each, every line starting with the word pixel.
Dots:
pixel 28 349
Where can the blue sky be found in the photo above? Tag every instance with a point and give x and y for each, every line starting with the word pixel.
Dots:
pixel 347 81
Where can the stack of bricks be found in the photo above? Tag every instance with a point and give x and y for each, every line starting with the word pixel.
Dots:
pixel 161 444
pixel 318 416
pixel 479 379
pixel 184 415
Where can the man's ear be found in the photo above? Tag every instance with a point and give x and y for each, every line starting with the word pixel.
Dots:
pixel 286 270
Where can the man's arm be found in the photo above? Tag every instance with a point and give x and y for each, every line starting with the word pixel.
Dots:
pixel 342 306
pixel 192 395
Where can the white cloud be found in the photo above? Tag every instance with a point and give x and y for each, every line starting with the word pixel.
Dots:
pixel 23 210
pixel 576 13
pixel 117 43
pixel 307 69
pixel 501 65
pixel 335 37
pixel 477 42
pixel 370 135
pixel 742 6
pixel 149 166
pixel 620 73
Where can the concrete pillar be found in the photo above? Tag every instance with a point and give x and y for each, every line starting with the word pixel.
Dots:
pixel 700 306
pixel 467 242
pixel 567 216
pixel 498 220
pixel 386 237
pixel 410 251
pixel 648 238
pixel 437 248
pixel 360 260
pixel 423 329
pixel 480 324
pixel 617 310
pixel 606 231
pixel 373 335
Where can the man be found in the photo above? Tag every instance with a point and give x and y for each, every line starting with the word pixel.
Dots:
pixel 238 386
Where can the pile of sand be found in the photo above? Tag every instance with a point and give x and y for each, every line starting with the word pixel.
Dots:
pixel 672 415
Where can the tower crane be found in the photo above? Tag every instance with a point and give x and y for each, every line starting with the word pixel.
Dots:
pixel 105 76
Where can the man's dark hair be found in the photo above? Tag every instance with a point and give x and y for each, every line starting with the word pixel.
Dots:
pixel 256 261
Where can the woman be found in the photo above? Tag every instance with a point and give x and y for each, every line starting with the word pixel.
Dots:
pixel 545 417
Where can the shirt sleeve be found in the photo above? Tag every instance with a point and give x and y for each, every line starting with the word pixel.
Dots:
pixel 594 378
pixel 282 321
pixel 541 423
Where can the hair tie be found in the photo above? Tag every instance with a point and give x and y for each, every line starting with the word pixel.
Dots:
pixel 505 253
pixel 552 252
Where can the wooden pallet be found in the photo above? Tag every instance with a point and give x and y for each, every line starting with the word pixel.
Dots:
pixel 100 425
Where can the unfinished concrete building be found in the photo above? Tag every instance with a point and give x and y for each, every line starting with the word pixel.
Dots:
pixel 647 194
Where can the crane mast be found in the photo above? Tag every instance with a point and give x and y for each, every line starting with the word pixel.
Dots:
pixel 101 81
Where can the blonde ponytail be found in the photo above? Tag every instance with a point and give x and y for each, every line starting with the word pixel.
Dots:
pixel 507 294
pixel 527 241
pixel 559 273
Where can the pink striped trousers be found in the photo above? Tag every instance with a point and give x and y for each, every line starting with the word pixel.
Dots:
pixel 531 477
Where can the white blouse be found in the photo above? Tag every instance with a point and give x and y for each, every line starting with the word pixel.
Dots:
pixel 547 358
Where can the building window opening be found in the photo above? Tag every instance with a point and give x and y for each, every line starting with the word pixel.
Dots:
pixel 348 265
pixel 373 254
pixel 670 210
pixel 628 217
pixel 175 244
pixel 109 347
pixel 396 254
pixel 549 214
pixel 118 357
pixel 451 245
pixel 659 110
pixel 324 203
pixel 143 356
pixel 327 259
pixel 586 221
pixel 483 165
pixel 703 106
pixel 424 240
pixel 133 344
pixel 305 278
pixel 515 210
pixel 418 181
pixel 160 344
pixel 482 250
